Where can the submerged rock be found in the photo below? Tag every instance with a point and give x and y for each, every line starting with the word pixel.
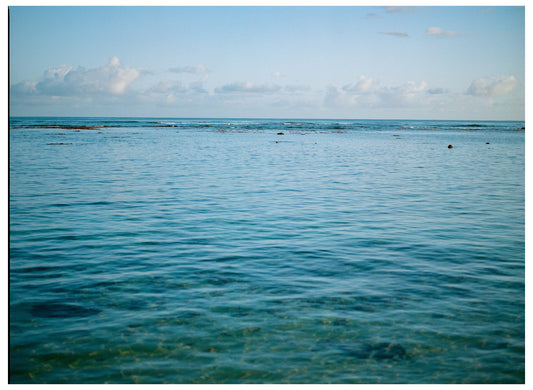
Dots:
pixel 379 351
pixel 251 330
pixel 68 127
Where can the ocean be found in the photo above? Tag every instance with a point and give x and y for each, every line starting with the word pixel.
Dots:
pixel 164 250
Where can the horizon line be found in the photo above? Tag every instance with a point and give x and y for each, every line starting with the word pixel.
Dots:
pixel 264 118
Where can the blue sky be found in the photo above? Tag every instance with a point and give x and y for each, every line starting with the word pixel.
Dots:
pixel 287 62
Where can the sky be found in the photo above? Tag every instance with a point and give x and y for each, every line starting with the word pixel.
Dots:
pixel 356 62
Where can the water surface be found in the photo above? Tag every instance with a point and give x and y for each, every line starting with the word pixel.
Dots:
pixel 149 250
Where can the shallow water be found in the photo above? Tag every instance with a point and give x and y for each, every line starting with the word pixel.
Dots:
pixel 217 251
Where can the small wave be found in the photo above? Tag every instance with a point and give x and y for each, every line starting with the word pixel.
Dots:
pixel 125 121
pixel 476 125
pixel 472 126
pixel 336 126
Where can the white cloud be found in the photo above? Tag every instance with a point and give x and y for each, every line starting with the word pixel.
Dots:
pixel 439 32
pixel 166 86
pixel 248 87
pixel 399 10
pixel 111 79
pixel 338 97
pixel 58 73
pixel 24 88
pixel 366 93
pixel 397 34
pixel 363 85
pixel 402 95
pixel 412 87
pixel 495 86
pixel 118 76
pixel 196 69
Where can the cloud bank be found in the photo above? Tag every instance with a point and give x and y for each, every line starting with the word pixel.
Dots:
pixel 248 87
pixel 111 79
pixel 65 90
pixel 197 69
pixel 494 86
pixel 367 92
pixel 440 33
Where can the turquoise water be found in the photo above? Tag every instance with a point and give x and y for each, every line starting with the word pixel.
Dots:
pixel 219 251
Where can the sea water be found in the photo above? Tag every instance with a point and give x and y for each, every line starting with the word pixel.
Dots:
pixel 150 250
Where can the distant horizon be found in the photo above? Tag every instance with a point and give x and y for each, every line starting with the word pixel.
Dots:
pixel 443 62
pixel 268 118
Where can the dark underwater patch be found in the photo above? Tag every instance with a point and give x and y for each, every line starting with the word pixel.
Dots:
pixel 378 351
pixel 61 310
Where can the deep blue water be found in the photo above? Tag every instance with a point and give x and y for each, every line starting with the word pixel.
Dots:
pixel 155 250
